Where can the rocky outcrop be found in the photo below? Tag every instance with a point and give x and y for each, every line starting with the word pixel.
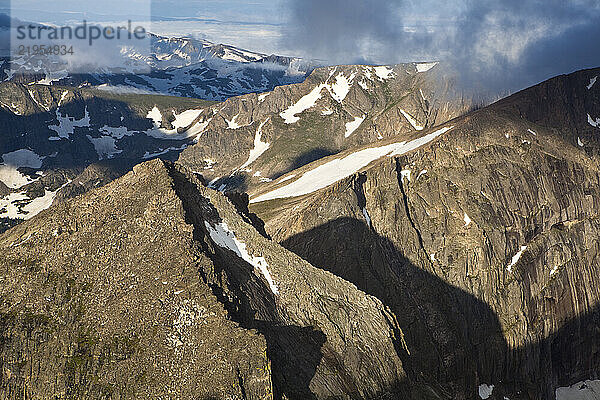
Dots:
pixel 483 243
pixel 154 286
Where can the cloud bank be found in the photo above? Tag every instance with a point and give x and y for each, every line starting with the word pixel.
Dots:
pixel 499 45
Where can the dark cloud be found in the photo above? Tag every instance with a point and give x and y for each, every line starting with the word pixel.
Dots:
pixel 499 45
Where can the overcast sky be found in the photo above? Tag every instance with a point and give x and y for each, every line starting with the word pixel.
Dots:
pixel 505 43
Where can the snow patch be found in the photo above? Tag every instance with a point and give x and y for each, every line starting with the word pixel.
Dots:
pixel 259 146
pixel 326 174
pixel 516 258
pixel 306 102
pixel 592 82
pixel 149 155
pixel 340 89
pixel 105 146
pixel 354 125
pixel 485 391
pixel 424 67
pixel 185 119
pixel 225 238
pixel 232 124
pixel 384 72
pixel 579 142
pixel 412 121
pixel 262 97
pixel 593 122
pixel 66 125
pixel 405 173
pixel 587 390
pixel 532 132
pixel 467 220
pixel 182 120
pixel 9 174
pixel 326 112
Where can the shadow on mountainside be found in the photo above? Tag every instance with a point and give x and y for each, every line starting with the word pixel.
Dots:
pixel 295 351
pixel 454 340
pixel 67 155
pixel 304 159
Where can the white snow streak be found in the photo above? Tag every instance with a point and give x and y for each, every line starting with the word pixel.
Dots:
pixel 340 168
pixel 306 102
pixel 412 121
pixel 225 238
pixel 367 216
pixel 354 125
pixel 287 178
pixel 516 258
pixel 259 146
pixel 592 82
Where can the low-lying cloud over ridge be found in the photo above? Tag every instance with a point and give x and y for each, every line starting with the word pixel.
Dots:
pixel 498 45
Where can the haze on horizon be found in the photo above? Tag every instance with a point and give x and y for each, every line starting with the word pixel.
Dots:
pixel 500 45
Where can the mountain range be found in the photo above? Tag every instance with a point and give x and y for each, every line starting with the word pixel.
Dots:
pixel 355 232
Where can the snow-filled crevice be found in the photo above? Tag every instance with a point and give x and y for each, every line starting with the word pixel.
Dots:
pixel 225 238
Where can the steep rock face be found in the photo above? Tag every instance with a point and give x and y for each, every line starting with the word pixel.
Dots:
pixel 483 243
pixel 255 138
pixel 119 293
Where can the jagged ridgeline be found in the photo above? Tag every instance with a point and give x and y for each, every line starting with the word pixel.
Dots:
pixel 155 286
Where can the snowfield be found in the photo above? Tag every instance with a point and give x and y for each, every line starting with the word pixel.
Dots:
pixel 105 147
pixel 9 174
pixel 384 72
pixel 326 174
pixel 587 390
pixel 354 125
pixel 424 67
pixel 183 120
pixel 20 206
